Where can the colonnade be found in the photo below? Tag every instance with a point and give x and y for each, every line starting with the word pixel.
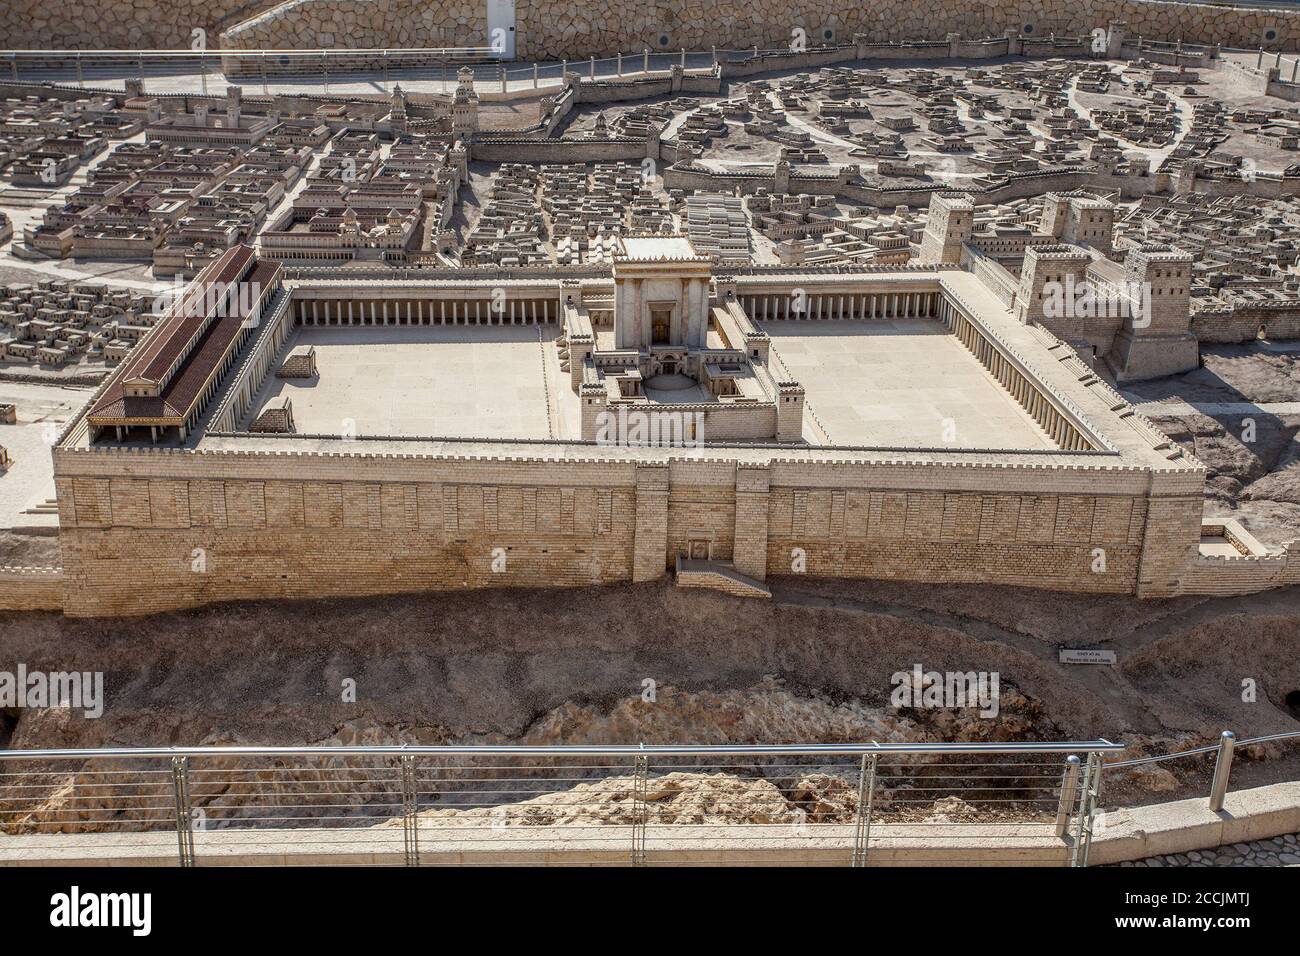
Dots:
pixel 484 311
pixel 798 304
pixel 1030 397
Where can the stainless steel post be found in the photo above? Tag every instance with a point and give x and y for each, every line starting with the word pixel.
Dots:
pixel 184 817
pixel 410 813
pixel 1222 770
pixel 862 820
pixel 640 809
pixel 1069 790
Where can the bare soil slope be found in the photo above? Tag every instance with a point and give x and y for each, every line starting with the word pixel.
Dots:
pixel 570 667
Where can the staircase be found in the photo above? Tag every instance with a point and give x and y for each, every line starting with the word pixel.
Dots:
pixel 49 506
pixel 562 344
pixel 718 576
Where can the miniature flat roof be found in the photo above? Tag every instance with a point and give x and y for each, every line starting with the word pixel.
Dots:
pixel 659 249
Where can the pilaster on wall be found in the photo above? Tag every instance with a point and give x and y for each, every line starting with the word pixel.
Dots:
pixel 650 549
pixel 1170 542
pixel 749 549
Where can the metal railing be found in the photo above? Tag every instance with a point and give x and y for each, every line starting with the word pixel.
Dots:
pixel 853 804
pixel 1224 751
pixel 410 64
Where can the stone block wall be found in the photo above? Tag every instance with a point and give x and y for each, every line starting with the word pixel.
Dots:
pixel 947 537
pixel 119 24
pixel 550 30
pixel 363 23
pixel 30 589
pixel 216 526
pixel 1243 324
pixel 702 507
pixel 280 531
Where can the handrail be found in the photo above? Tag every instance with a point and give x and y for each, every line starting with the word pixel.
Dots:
pixel 1209 748
pixel 517 750
pixel 597 803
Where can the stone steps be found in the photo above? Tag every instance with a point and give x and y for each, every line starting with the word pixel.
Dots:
pixel 718 576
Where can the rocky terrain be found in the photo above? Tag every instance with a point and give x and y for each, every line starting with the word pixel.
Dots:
pixel 1242 425
pixel 571 667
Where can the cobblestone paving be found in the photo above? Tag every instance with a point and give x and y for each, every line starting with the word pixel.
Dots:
pixel 1278 851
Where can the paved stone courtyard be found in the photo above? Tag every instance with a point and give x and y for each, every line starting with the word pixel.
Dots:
pixel 452 381
pixel 897 383
pixel 42 410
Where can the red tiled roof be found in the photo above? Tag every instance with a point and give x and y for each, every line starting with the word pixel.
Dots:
pixel 179 395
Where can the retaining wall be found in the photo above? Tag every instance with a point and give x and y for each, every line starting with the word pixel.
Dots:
pixel 212 526
pixel 549 30
pixel 31 588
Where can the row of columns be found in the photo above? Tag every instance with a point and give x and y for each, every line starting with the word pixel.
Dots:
pixel 426 311
pixel 853 305
pixel 259 370
pixel 250 322
pixel 1017 384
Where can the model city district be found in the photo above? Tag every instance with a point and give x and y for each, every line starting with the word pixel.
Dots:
pixel 869 319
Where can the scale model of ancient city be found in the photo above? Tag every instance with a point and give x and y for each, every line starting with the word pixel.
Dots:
pixel 567 373
pixel 854 308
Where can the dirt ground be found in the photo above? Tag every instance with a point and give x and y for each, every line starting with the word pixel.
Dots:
pixel 1252 454
pixel 814 664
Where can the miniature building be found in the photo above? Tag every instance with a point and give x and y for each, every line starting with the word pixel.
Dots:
pixel 952 218
pixel 1080 218
pixel 276 418
pixel 731 353
pixel 164 387
pixel 464 105
pixel 301 363
pixel 1158 341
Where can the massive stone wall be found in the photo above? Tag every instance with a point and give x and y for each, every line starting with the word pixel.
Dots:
pixel 118 24
pixel 364 23
pixel 321 527
pixel 550 30
pixel 547 29
pixel 215 526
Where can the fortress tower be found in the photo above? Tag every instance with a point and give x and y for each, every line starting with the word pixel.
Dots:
pixel 234 102
pixel 1048 275
pixel 1081 218
pixel 398 108
pixel 1157 340
pixel 464 106
pixel 951 223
